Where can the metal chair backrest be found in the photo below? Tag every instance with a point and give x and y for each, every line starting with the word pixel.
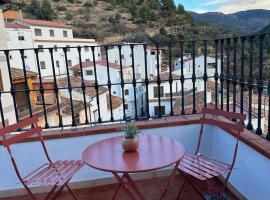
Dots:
pixel 10 139
pixel 230 126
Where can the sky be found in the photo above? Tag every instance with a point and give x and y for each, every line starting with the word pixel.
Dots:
pixel 225 6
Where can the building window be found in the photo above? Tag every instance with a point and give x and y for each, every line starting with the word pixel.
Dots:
pixel 156 92
pixel 153 53
pixel 69 63
pixel 55 47
pixel 65 33
pixel 162 109
pixel 126 106
pixel 38 32
pixel 10 57
pixel 87 60
pixel 122 56
pixel 52 33
pixel 89 72
pixel 126 92
pixel 57 63
pixel 68 49
pixel 42 65
pixel 20 36
pixel 40 48
pixel 86 49
pixel 114 92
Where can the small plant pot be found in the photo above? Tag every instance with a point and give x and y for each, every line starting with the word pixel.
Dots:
pixel 130 145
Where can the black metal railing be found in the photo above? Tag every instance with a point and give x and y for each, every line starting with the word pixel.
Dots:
pixel 242 71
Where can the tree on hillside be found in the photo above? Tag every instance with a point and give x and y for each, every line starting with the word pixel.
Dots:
pixel 167 5
pixel 44 11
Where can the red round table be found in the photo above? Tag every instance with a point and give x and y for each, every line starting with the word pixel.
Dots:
pixel 154 152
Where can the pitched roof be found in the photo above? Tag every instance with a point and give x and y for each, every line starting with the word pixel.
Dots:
pixel 36 22
pixel 77 106
pixel 100 62
pixel 165 76
pixel 16 26
pixel 19 74
pixel 116 101
pixel 12 14
pixel 76 83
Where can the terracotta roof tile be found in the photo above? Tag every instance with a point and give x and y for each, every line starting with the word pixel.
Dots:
pixel 101 62
pixel 19 74
pixel 76 82
pixel 16 26
pixel 36 22
pixel 165 76
pixel 77 106
pixel 116 101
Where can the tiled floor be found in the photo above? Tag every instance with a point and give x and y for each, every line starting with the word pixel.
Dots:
pixel 151 189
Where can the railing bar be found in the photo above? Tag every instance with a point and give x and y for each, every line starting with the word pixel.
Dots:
pixel 96 83
pixel 158 82
pixel 228 77
pixel 205 73
pixel 134 81
pixel 26 86
pixel 216 74
pixel 235 41
pixel 56 89
pixel 41 89
pixel 182 78
pixel 1 111
pixel 69 86
pixel 193 77
pixel 83 87
pixel 170 78
pixel 12 88
pixel 222 78
pixel 260 84
pixel 250 83
pixel 109 82
pixel 242 78
pixel 122 81
pixel 146 81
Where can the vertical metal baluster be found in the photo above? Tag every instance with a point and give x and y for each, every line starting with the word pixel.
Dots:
pixel 205 73
pixel 41 90
pixel 12 88
pixel 182 79
pixel 170 78
pixel 250 83
pixel 228 76
pixel 1 111
pixel 69 87
pixel 26 86
pixel 260 84
pixel 268 123
pixel 146 81
pixel 83 86
pixel 216 74
pixel 56 89
pixel 122 81
pixel 109 82
pixel 193 77
pixel 222 77
pixel 242 78
pixel 235 41
pixel 134 81
pixel 158 82
pixel 96 82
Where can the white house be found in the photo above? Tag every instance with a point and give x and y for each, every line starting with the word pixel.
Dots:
pixel 139 58
pixel 50 34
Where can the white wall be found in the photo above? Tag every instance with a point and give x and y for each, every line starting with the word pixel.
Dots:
pixel 250 176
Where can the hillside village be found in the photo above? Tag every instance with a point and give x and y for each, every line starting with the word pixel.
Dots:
pixel 77 77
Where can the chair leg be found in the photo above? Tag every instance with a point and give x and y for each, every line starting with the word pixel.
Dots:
pixel 182 187
pixel 71 192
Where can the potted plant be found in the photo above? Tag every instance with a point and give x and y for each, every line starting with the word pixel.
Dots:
pixel 130 142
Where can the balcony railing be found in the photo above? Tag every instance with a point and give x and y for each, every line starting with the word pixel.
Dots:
pixel 241 75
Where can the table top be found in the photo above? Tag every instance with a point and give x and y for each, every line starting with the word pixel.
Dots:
pixel 154 152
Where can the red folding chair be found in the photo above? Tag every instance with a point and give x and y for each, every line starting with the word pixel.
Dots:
pixel 56 174
pixel 199 170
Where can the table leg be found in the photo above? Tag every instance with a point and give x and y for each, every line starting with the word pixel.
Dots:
pixel 118 188
pixel 132 184
pixel 170 180
pixel 122 183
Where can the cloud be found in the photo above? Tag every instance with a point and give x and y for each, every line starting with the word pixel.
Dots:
pixel 230 6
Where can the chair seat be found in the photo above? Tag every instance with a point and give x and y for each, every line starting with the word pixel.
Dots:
pixel 202 167
pixel 57 173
